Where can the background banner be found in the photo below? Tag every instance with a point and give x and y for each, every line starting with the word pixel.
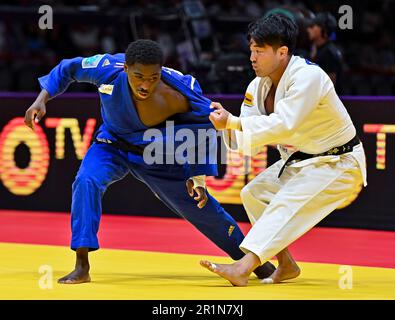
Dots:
pixel 37 168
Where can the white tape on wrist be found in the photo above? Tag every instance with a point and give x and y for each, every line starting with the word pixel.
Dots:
pixel 199 181
pixel 233 123
pixel 267 281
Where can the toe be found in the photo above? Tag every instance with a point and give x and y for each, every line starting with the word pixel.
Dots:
pixel 213 267
pixel 203 263
pixel 208 265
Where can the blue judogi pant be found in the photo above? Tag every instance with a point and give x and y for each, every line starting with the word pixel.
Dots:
pixel 103 164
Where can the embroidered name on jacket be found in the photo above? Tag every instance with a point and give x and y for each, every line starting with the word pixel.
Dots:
pixel 106 88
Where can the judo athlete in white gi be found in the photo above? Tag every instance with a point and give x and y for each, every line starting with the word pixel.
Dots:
pixel 291 103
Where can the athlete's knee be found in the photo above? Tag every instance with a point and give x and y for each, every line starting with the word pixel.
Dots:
pixel 85 179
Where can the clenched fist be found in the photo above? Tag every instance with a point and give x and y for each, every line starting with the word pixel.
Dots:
pixel 37 110
pixel 219 116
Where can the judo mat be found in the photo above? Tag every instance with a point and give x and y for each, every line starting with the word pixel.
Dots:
pixel 144 258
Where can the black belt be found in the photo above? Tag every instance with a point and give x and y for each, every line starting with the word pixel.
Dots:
pixel 121 144
pixel 298 155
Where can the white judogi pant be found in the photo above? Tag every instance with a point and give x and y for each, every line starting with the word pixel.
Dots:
pixel 283 209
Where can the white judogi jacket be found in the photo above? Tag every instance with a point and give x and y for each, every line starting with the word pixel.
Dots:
pixel 308 116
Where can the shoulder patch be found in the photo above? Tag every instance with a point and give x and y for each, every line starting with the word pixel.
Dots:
pixel 91 62
pixel 105 63
pixel 248 99
pixel 106 88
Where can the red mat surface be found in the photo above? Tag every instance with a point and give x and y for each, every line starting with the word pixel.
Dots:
pixel 327 245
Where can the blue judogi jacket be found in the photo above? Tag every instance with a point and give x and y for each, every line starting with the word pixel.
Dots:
pixel 119 113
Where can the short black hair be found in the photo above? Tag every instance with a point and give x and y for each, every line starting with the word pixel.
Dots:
pixel 326 21
pixel 275 30
pixel 144 51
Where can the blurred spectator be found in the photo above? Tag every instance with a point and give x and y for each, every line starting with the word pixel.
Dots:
pixel 324 52
pixel 201 37
pixel 107 41
pixel 302 17
pixel 86 38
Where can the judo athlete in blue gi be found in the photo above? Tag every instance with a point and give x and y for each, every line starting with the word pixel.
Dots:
pixel 137 93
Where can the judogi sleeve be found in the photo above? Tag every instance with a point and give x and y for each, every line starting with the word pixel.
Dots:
pixel 205 147
pixel 305 89
pixel 209 166
pixel 69 70
pixel 233 138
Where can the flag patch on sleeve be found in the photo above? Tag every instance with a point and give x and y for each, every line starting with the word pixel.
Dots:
pixel 248 100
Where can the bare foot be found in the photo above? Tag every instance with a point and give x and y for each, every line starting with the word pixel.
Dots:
pixel 229 272
pixel 78 275
pixel 282 273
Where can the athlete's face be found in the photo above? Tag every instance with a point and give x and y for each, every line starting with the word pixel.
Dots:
pixel 314 32
pixel 143 79
pixel 265 59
